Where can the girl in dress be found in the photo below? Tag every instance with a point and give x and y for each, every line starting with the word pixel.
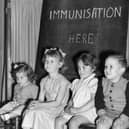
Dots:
pixel 112 97
pixel 81 107
pixel 54 93
pixel 24 90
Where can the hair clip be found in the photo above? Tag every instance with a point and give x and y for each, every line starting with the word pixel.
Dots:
pixel 15 66
pixel 62 53
pixel 46 50
pixel 55 49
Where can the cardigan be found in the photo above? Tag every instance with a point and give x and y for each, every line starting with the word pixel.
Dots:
pixel 101 101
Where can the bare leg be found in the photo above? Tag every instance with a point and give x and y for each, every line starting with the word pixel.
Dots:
pixel 121 123
pixel 76 121
pixel 104 123
pixel 7 107
pixel 60 123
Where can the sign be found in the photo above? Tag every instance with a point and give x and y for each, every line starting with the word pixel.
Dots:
pixel 78 25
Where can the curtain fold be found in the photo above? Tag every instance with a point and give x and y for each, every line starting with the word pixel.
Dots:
pixel 25 23
pixel 2 51
pixel 24 34
pixel 127 47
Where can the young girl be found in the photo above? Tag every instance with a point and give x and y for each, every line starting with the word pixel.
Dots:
pixel 54 93
pixel 112 97
pixel 24 90
pixel 81 108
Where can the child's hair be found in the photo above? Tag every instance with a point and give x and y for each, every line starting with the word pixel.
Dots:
pixel 23 67
pixel 121 59
pixel 55 52
pixel 88 59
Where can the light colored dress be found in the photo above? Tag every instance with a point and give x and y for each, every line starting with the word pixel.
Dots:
pixel 82 90
pixel 44 118
pixel 21 95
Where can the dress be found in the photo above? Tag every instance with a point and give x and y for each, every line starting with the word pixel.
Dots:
pixel 43 118
pixel 21 96
pixel 82 89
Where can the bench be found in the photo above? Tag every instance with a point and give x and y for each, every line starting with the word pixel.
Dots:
pixel 87 126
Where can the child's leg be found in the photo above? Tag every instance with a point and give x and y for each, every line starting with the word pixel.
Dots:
pixel 7 107
pixel 76 121
pixel 104 122
pixel 60 123
pixel 14 113
pixel 121 123
pixel 8 116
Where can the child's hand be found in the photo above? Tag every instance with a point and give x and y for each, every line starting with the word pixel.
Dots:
pixel 33 104
pixel 101 112
pixel 74 110
pixel 103 119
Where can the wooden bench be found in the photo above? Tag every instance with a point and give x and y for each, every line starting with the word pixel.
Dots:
pixel 87 126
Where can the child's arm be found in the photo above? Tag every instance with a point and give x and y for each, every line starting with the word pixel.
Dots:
pixel 16 88
pixel 124 117
pixel 42 90
pixel 90 103
pixel 70 104
pixel 41 96
pixel 85 107
pixel 126 109
pixel 99 99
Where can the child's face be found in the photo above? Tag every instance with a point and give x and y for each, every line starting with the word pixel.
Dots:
pixel 113 69
pixel 84 70
pixel 21 78
pixel 52 64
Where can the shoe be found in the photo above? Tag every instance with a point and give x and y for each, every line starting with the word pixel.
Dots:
pixel 5 117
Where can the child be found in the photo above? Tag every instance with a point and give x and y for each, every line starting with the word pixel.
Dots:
pixel 81 108
pixel 54 93
pixel 112 97
pixel 24 90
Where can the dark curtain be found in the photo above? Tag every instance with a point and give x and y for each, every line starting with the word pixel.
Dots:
pixel 96 26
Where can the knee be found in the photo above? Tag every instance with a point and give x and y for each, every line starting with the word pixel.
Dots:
pixel 59 123
pixel 119 126
pixel 73 124
pixel 103 126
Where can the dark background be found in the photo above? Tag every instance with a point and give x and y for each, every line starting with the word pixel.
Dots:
pixel 109 33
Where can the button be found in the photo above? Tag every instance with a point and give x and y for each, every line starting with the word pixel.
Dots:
pixel 112 106
pixel 110 97
pixel 112 85
pixel 110 91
